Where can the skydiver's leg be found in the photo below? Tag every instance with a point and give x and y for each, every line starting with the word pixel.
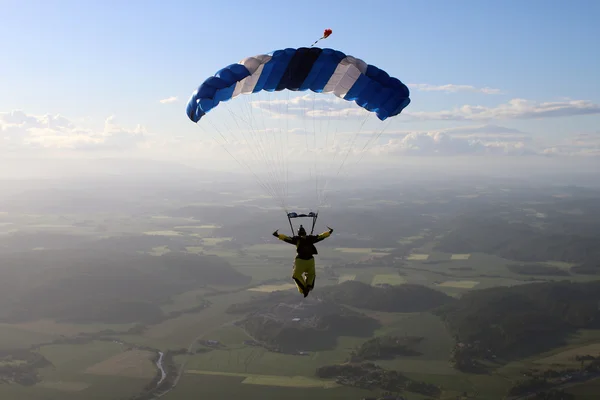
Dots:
pixel 310 275
pixel 298 276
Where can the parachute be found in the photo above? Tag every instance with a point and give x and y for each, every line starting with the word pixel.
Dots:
pixel 305 113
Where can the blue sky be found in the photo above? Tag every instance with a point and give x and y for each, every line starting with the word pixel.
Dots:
pixel 96 61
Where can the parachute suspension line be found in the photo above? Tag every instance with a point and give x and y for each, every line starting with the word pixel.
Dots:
pixel 259 181
pixel 256 148
pixel 325 151
pixel 272 191
pixel 264 140
pixel 353 140
pixel 281 140
pixel 316 171
pixel 276 143
pixel 287 143
pixel 268 137
pixel 371 141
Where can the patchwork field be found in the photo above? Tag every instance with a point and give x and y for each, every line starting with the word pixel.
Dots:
pixel 77 358
pixel 93 370
pixel 390 279
pixel 184 329
pixel 346 277
pixel 64 386
pixel 51 329
pixel 459 284
pixel 585 391
pixel 568 357
pixel 275 380
pixel 67 378
pixel 460 256
pixel 163 233
pixel 159 251
pixel 15 337
pixel 273 288
pixel 229 387
pixel 132 363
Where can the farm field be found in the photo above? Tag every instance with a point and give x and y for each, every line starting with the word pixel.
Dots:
pixel 95 370
pixel 219 386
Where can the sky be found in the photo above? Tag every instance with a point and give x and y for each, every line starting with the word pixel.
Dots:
pixel 85 79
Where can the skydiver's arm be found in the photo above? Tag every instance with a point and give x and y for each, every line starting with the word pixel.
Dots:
pixel 283 237
pixel 323 235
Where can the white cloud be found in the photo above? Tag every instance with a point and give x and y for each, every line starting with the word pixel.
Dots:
pixel 169 100
pixel 483 129
pixel 451 88
pixel 21 130
pixel 514 109
pixel 442 144
pixel 311 105
pixel 484 133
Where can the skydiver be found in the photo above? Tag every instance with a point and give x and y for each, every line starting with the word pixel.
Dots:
pixel 304 263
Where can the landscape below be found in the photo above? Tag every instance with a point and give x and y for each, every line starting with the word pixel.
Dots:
pixel 432 296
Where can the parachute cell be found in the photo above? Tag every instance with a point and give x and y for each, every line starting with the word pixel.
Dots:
pixel 319 70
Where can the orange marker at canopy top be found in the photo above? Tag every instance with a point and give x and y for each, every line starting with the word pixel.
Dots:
pixel 326 34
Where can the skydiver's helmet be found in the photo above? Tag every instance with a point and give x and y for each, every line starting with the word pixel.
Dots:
pixel 301 231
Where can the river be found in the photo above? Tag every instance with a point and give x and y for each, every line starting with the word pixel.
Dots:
pixel 160 366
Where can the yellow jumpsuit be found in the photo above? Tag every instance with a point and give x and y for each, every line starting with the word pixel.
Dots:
pixel 304 263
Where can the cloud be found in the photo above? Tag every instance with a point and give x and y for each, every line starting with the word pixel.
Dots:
pixel 485 128
pixel 311 105
pixel 442 144
pixel 169 100
pixel 582 144
pixel 451 88
pixel 484 133
pixel 514 109
pixel 21 130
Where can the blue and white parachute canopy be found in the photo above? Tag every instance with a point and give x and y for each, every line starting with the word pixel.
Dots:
pixel 320 70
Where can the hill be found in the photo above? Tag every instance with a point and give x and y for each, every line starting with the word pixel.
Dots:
pixel 401 298
pixel 505 323
pixel 519 241
pixel 109 287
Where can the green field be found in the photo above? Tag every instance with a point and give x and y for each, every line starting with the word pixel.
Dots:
pixel 390 279
pixel 67 377
pixel 180 332
pixel 76 358
pixel 53 329
pixel 346 277
pixel 459 284
pixel 98 370
pixel 273 288
pixel 585 391
pixel 201 386
pixel 12 337
pixel 186 300
pixel 460 256
pixel 274 380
